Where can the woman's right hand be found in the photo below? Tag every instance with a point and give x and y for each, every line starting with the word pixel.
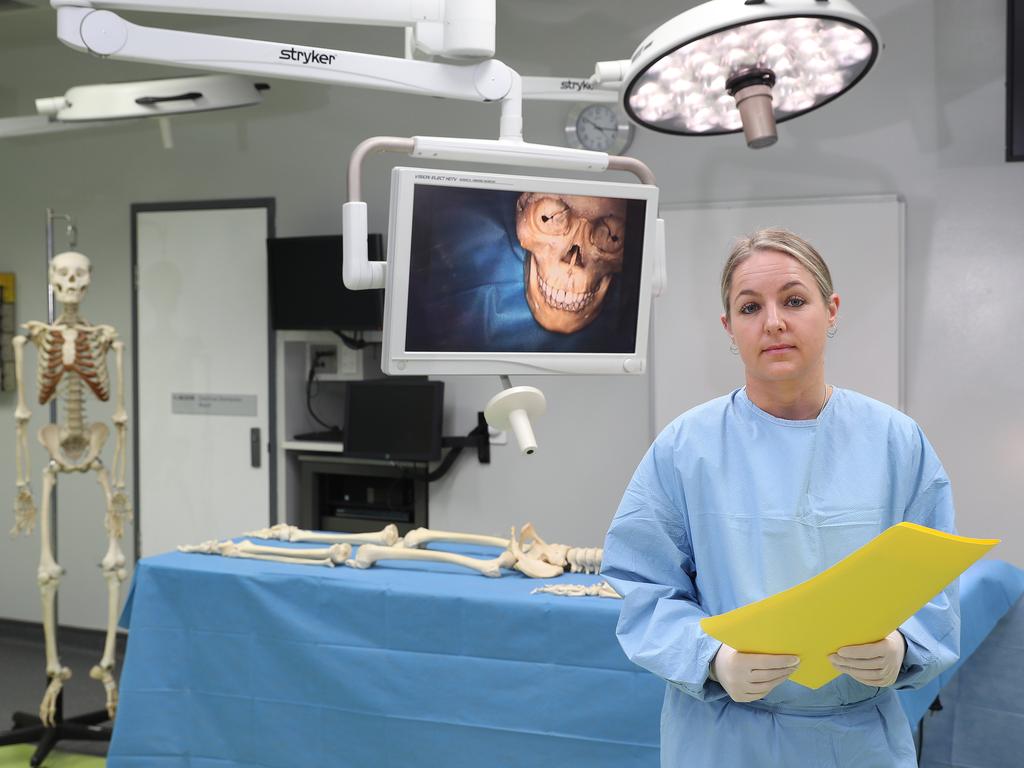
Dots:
pixel 750 676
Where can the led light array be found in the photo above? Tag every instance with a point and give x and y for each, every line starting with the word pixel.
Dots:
pixel 813 59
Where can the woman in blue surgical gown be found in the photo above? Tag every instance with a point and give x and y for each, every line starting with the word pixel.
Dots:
pixel 757 491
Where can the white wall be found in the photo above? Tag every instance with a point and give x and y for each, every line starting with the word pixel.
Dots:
pixel 927 124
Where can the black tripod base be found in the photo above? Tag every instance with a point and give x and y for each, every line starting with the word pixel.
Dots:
pixel 29 728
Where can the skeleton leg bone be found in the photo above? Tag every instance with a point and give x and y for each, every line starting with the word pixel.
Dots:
pixel 420 536
pixel 387 536
pixel 49 580
pixel 368 554
pixel 114 573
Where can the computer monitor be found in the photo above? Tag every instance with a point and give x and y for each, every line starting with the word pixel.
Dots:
pixel 306 291
pixel 397 419
pixel 493 273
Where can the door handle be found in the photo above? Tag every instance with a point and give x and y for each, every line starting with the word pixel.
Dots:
pixel 254 447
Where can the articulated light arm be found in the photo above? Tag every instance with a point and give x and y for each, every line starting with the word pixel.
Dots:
pixel 449 28
pixel 104 33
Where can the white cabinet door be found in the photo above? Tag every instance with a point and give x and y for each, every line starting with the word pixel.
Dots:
pixel 203 373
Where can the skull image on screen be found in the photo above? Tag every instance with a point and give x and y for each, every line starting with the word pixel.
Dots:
pixel 573 249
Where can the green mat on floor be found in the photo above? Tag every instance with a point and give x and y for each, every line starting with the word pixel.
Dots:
pixel 17 756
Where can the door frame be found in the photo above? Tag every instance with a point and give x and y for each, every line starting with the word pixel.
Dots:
pixel 268 203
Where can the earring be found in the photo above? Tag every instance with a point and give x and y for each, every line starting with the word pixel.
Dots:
pixel 733 348
pixel 833 330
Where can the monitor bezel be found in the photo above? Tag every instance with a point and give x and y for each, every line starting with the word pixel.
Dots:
pixel 397 360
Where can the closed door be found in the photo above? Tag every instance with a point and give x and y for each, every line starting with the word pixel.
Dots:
pixel 203 366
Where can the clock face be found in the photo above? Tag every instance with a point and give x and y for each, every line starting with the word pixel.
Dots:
pixel 598 127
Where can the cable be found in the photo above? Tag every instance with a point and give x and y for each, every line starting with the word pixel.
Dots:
pixel 350 341
pixel 445 465
pixel 309 392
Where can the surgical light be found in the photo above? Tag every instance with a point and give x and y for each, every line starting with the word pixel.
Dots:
pixel 729 65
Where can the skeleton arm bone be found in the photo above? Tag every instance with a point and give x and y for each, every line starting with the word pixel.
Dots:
pixel 120 417
pixel 386 536
pixel 24 505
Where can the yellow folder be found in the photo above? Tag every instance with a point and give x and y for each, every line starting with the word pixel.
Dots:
pixel 860 599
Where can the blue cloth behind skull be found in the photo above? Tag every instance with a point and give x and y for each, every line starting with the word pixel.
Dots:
pixel 470 274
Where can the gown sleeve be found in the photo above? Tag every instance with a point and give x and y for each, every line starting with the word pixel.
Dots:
pixel 648 558
pixel 933 633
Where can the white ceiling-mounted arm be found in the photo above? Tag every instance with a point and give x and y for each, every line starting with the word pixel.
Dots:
pixel 449 28
pixel 104 33
pixel 568 89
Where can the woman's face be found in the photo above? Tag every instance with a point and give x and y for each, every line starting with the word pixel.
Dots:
pixel 778 318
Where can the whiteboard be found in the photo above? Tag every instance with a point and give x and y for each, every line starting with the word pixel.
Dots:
pixel 861 240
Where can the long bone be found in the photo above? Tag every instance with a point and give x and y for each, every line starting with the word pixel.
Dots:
pixel 368 554
pixel 421 536
pixel 386 536
pixel 336 554
pixel 535 553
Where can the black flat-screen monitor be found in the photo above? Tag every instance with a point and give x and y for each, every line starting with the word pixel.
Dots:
pixel 306 291
pixel 1015 80
pixel 396 419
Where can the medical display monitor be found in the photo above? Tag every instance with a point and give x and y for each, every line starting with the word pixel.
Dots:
pixel 306 291
pixel 493 273
pixel 394 419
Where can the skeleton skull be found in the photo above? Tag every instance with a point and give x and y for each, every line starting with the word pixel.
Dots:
pixel 70 273
pixel 573 249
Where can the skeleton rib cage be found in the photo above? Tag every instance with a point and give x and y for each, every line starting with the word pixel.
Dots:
pixel 70 357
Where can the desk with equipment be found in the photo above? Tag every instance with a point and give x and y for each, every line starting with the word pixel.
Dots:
pixel 397 425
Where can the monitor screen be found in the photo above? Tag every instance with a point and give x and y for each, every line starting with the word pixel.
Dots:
pixel 397 419
pixel 306 291
pixel 491 273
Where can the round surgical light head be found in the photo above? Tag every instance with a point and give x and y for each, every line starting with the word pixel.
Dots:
pixel 730 65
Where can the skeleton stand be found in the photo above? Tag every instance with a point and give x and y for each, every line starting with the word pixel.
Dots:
pixel 72 355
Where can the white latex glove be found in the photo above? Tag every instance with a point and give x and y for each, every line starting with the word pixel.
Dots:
pixel 875 664
pixel 750 676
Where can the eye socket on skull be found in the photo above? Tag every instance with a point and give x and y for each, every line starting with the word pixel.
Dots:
pixel 607 234
pixel 553 216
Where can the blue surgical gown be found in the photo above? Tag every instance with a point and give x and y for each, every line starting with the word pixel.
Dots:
pixel 731 505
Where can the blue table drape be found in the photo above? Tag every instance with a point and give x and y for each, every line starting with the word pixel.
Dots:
pixel 258 664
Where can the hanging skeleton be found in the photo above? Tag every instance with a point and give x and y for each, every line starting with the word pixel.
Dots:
pixel 72 361
pixel 528 553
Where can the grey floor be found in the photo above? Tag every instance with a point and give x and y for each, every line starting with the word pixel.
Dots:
pixel 23 675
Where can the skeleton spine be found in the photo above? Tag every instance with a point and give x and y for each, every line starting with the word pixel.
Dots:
pixel 74 405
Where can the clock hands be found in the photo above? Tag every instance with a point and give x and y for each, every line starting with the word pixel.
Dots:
pixel 599 127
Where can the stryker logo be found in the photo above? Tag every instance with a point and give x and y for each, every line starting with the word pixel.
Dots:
pixel 576 85
pixel 311 56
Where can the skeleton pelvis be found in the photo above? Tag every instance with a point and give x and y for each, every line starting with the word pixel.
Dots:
pixel 74 450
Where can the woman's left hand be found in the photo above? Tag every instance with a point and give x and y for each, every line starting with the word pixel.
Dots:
pixel 875 664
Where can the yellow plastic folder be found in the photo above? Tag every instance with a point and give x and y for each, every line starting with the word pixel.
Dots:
pixel 860 599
